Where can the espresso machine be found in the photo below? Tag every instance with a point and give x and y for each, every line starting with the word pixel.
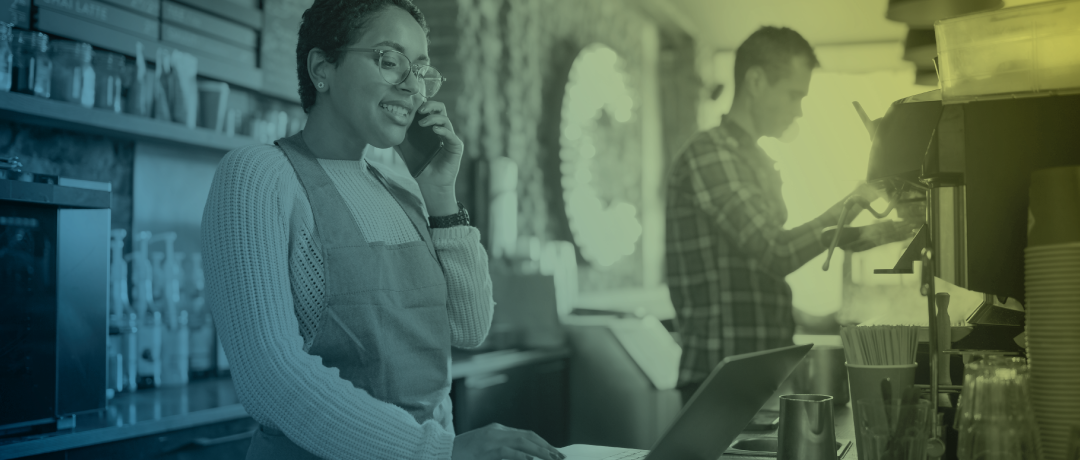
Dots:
pixel 970 164
pixel 54 274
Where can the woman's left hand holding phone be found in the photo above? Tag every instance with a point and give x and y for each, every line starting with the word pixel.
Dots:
pixel 438 181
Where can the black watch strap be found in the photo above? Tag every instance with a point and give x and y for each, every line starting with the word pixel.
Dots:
pixel 453 220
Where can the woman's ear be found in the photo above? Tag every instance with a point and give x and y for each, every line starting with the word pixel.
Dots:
pixel 319 69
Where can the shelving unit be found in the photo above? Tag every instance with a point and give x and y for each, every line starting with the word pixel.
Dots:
pixel 24 108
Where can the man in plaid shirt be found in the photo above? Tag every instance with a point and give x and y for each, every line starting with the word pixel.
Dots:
pixel 727 249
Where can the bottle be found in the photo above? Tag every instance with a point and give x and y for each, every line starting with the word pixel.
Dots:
pixel 5 56
pixel 175 352
pixel 142 284
pixel 31 68
pixel 130 335
pixel 149 369
pixel 109 75
pixel 175 338
pixel 157 270
pixel 202 323
pixel 149 321
pixel 119 303
pixel 140 94
pixel 73 76
pixel 114 355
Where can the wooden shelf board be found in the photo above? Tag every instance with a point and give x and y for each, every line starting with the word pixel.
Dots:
pixel 24 108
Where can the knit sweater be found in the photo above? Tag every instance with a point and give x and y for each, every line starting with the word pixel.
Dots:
pixel 265 286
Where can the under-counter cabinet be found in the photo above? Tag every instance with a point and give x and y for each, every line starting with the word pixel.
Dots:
pixel 529 397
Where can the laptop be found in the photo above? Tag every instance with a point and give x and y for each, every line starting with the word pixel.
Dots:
pixel 719 410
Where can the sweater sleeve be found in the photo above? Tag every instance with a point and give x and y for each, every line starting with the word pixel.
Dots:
pixel 465 265
pixel 246 245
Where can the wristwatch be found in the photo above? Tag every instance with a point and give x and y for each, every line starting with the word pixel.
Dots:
pixel 453 220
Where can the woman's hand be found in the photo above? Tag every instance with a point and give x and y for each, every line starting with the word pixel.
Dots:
pixel 439 179
pixel 443 170
pixel 497 442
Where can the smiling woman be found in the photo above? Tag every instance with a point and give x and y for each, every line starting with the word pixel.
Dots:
pixel 337 290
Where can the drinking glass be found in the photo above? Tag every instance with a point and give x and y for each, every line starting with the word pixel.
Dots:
pixel 995 419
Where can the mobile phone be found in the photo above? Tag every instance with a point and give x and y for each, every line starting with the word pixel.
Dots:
pixel 420 146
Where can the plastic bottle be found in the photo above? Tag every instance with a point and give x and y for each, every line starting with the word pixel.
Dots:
pixel 119 303
pixel 150 329
pixel 5 57
pixel 175 352
pixel 175 336
pixel 149 321
pixel 130 334
pixel 142 284
pixel 202 323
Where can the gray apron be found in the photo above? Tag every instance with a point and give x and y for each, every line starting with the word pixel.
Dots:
pixel 385 326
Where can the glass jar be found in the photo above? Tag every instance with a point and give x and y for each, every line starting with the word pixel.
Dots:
pixel 5 56
pixel 31 67
pixel 109 75
pixel 73 72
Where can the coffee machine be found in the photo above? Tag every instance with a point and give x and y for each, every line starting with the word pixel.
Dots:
pixel 54 259
pixel 970 164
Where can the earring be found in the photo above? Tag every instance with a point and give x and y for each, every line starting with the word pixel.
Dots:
pixel 321 85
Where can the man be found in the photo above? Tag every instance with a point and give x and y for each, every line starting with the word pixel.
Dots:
pixel 727 250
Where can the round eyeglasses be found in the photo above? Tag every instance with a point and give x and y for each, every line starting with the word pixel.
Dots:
pixel 395 67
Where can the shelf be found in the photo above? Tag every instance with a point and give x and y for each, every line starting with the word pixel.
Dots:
pixel 24 108
pixel 135 414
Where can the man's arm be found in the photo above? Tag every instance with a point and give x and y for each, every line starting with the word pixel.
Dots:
pixel 726 189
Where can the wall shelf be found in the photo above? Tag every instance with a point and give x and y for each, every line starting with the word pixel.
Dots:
pixel 24 108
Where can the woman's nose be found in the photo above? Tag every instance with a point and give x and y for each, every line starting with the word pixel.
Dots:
pixel 412 83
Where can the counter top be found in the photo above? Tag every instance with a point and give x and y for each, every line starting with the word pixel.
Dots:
pixel 204 402
pixel 845 433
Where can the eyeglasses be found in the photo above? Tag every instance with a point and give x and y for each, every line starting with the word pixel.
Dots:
pixel 396 67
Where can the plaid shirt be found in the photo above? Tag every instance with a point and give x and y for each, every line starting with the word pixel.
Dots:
pixel 727 250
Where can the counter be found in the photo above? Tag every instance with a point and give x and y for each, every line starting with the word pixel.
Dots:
pixel 205 402
pixel 845 432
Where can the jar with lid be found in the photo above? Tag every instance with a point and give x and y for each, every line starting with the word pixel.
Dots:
pixel 31 67
pixel 5 56
pixel 109 74
pixel 73 73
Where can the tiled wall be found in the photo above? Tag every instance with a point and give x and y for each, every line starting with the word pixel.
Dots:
pixel 77 156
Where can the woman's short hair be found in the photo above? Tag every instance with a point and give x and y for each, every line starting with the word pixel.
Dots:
pixel 331 25
pixel 771 48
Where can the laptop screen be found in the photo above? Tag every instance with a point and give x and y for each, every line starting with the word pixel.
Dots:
pixel 726 402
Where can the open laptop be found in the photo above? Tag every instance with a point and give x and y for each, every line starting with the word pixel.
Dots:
pixel 716 414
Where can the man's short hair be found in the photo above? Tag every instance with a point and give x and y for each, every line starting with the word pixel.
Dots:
pixel 771 48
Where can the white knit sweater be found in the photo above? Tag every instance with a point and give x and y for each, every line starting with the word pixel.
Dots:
pixel 265 286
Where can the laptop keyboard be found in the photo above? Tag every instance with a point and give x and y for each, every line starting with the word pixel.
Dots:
pixel 629 455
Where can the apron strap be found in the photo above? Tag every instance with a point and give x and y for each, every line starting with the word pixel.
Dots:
pixel 412 206
pixel 333 224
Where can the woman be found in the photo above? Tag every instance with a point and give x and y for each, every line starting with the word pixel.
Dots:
pixel 336 303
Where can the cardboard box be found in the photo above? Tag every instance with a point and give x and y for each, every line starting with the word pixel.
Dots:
pixel 104 14
pixel 180 15
pixel 207 46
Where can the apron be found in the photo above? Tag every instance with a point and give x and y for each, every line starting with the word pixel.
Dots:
pixel 385 326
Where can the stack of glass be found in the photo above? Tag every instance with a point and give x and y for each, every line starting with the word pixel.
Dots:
pixel 995 418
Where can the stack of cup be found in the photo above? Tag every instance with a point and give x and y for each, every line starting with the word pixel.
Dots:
pixel 1052 281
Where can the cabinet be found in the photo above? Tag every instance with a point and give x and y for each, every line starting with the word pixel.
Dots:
pixel 529 397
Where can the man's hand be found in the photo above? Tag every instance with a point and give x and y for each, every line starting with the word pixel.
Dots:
pixel 866 192
pixel 497 442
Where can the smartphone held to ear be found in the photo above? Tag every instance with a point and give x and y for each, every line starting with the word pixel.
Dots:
pixel 420 146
